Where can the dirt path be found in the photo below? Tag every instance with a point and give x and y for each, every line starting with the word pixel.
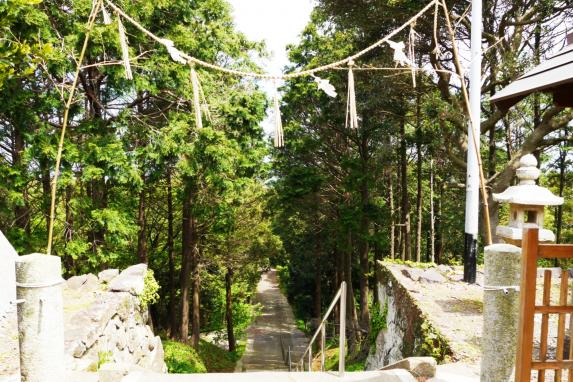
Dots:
pixel 264 350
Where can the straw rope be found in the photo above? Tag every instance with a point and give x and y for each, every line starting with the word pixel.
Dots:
pixel 302 73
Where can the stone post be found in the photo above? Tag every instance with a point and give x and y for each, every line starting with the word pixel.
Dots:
pixel 7 277
pixel 40 318
pixel 500 312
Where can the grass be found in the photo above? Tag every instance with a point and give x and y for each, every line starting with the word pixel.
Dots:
pixel 467 305
pixel 331 360
pixel 181 358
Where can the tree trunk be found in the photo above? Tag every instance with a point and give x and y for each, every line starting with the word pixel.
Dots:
pixel 46 189
pixel 559 213
pixel 98 191
pixel 419 200
pixel 439 229
pixel 21 212
pixel 196 314
pixel 171 256
pixel 68 261
pixel 407 250
pixel 392 217
pixel 351 316
pixel 229 310
pixel 364 250
pixel 432 216
pixel 419 205
pixel 377 257
pixel 317 311
pixel 339 274
pixel 186 262
pixel 142 234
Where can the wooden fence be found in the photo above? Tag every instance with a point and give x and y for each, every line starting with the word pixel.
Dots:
pixel 525 363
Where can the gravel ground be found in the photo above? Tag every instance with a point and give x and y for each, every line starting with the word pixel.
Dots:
pixel 9 357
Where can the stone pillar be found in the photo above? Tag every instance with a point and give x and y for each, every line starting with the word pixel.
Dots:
pixel 40 318
pixel 500 312
pixel 7 277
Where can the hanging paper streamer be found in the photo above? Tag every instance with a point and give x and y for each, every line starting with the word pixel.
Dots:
pixel 205 105
pixel 106 17
pixel 412 53
pixel 351 114
pixel 436 50
pixel 399 55
pixel 279 134
pixel 325 86
pixel 175 53
pixel 196 99
pixel 124 49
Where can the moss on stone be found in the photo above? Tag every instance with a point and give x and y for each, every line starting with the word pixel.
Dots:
pixel 433 343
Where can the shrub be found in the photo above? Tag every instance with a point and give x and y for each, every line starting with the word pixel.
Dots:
pixel 149 296
pixel 182 359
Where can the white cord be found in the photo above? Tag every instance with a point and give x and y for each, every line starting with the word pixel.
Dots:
pixel 41 285
pixel 503 288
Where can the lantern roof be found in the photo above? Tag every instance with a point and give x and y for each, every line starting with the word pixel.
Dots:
pixel 527 192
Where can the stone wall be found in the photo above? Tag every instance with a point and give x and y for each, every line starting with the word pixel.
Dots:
pixel 106 323
pixel 408 332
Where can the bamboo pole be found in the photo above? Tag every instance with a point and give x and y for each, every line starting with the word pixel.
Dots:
pixel 89 27
pixel 474 124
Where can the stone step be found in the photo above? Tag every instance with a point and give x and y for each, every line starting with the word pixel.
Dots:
pixel 265 376
pixel 456 372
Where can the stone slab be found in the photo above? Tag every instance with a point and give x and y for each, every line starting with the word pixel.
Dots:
pixel 107 275
pixel 432 275
pixel 130 280
pixel 365 376
pixel 420 367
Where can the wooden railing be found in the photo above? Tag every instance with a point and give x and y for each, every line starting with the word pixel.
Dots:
pixel 525 364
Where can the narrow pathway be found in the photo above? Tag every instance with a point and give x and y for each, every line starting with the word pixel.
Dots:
pixel 264 350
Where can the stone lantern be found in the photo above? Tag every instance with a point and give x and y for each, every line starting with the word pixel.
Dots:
pixel 527 203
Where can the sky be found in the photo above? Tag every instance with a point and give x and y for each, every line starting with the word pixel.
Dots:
pixel 278 23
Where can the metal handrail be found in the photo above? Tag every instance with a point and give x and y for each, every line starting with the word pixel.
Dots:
pixel 340 295
pixel 287 357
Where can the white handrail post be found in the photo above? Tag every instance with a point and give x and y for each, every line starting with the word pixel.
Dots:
pixel 322 346
pixel 342 337
pixel 310 359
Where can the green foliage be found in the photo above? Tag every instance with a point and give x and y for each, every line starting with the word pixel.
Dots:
pixel 103 357
pixel 411 264
pixel 283 277
pixel 126 138
pixel 149 296
pixel 244 312
pixel 218 360
pixel 377 321
pixel 331 361
pixel 302 326
pixel 183 359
